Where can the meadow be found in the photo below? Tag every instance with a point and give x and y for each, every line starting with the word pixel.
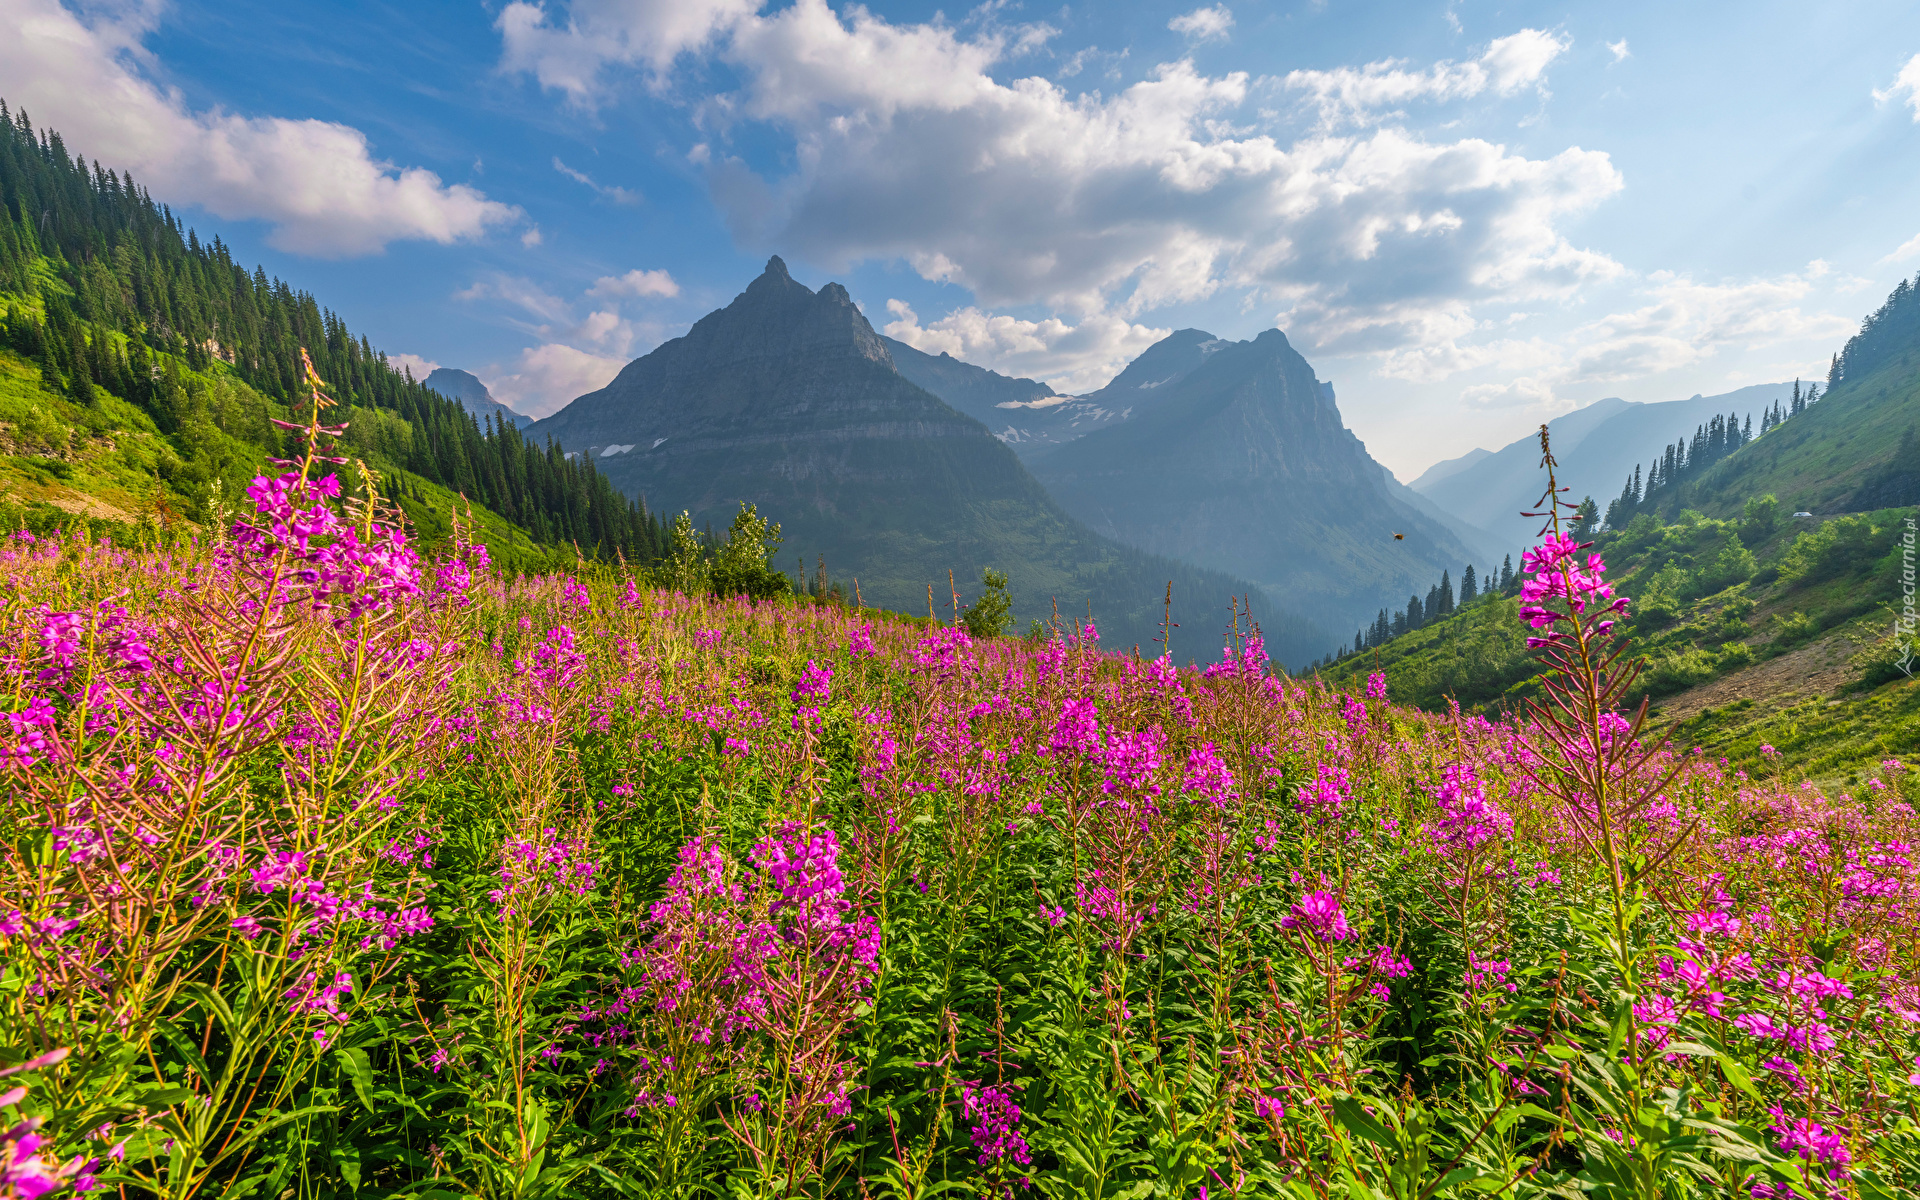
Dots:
pixel 332 869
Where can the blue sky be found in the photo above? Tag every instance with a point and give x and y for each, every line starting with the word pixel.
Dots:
pixel 1469 216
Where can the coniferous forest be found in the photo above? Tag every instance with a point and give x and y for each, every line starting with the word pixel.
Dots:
pixel 103 288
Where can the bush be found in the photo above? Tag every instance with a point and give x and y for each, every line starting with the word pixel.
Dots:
pixel 992 614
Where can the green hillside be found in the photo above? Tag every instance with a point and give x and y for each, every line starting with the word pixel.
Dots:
pixel 141 370
pixel 1759 628
pixel 1739 609
pixel 1855 450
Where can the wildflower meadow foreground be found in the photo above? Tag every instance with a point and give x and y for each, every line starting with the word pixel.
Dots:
pixel 336 870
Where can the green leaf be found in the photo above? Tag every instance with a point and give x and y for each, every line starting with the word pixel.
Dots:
pixel 1357 1120
pixel 359 1071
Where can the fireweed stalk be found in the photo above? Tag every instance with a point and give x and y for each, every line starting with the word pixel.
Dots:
pixel 192 830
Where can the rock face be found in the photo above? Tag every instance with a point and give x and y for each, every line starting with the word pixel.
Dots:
pixel 789 400
pixel 1237 458
pixel 466 387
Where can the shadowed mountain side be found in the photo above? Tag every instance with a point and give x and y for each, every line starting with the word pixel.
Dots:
pixel 1025 414
pixel 473 395
pixel 788 400
pixel 1243 463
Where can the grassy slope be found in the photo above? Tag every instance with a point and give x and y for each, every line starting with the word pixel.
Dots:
pixel 1791 649
pixel 1820 459
pixel 1749 633
pixel 109 467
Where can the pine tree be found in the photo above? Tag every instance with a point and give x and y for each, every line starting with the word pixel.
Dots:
pixel 1469 586
pixel 1506 574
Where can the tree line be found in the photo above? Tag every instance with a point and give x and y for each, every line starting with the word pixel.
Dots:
pixel 122 296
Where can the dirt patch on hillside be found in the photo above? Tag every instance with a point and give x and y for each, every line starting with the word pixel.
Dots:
pixel 87 506
pixel 1818 668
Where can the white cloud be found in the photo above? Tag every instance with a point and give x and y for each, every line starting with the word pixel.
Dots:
pixel 317 182
pixel 518 291
pixel 1073 358
pixel 1368 93
pixel 546 378
pixel 1204 24
pixel 1908 81
pixel 907 147
pixel 568 55
pixel 635 283
pixel 531 237
pixel 1683 323
pixel 574 354
pixel 1906 250
pixel 421 367
pixel 1620 51
pixel 618 195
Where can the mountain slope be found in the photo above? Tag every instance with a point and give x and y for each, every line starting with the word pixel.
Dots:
pixel 1240 461
pixel 1026 415
pixel 473 395
pixel 143 369
pixel 1856 450
pixel 1597 446
pixel 787 399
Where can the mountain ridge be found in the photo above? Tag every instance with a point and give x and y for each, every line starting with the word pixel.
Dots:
pixel 787 398
pixel 1241 456
pixel 466 387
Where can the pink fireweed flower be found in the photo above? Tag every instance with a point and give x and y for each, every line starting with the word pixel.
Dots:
pixel 1078 729
pixel 1318 914
pixel 1376 686
pixel 1208 779
pixel 813 692
pixel 1468 819
pixel 1327 796
pixel 1558 576
pixel 994 1123
pixel 805 869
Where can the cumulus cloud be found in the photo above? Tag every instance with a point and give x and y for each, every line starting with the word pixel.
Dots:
pixel 635 283
pixel 1906 84
pixel 1620 51
pixel 1360 94
pixel 1204 24
pixel 568 53
pixel 1073 358
pixel 421 367
pixel 574 353
pixel 546 377
pixel 911 143
pixel 317 182
pixel 1682 323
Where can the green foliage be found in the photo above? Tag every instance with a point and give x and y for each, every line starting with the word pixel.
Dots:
pixel 992 614
pixel 741 567
pixel 110 307
pixel 1709 598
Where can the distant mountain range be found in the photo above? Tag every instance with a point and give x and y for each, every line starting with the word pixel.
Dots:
pixel 1596 447
pixel 465 387
pixel 789 400
pixel 1235 453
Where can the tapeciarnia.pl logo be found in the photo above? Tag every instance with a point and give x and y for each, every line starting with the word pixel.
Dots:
pixel 1905 624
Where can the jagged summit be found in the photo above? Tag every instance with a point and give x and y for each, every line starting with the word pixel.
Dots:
pixel 788 399
pixel 466 387
pixel 1236 456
